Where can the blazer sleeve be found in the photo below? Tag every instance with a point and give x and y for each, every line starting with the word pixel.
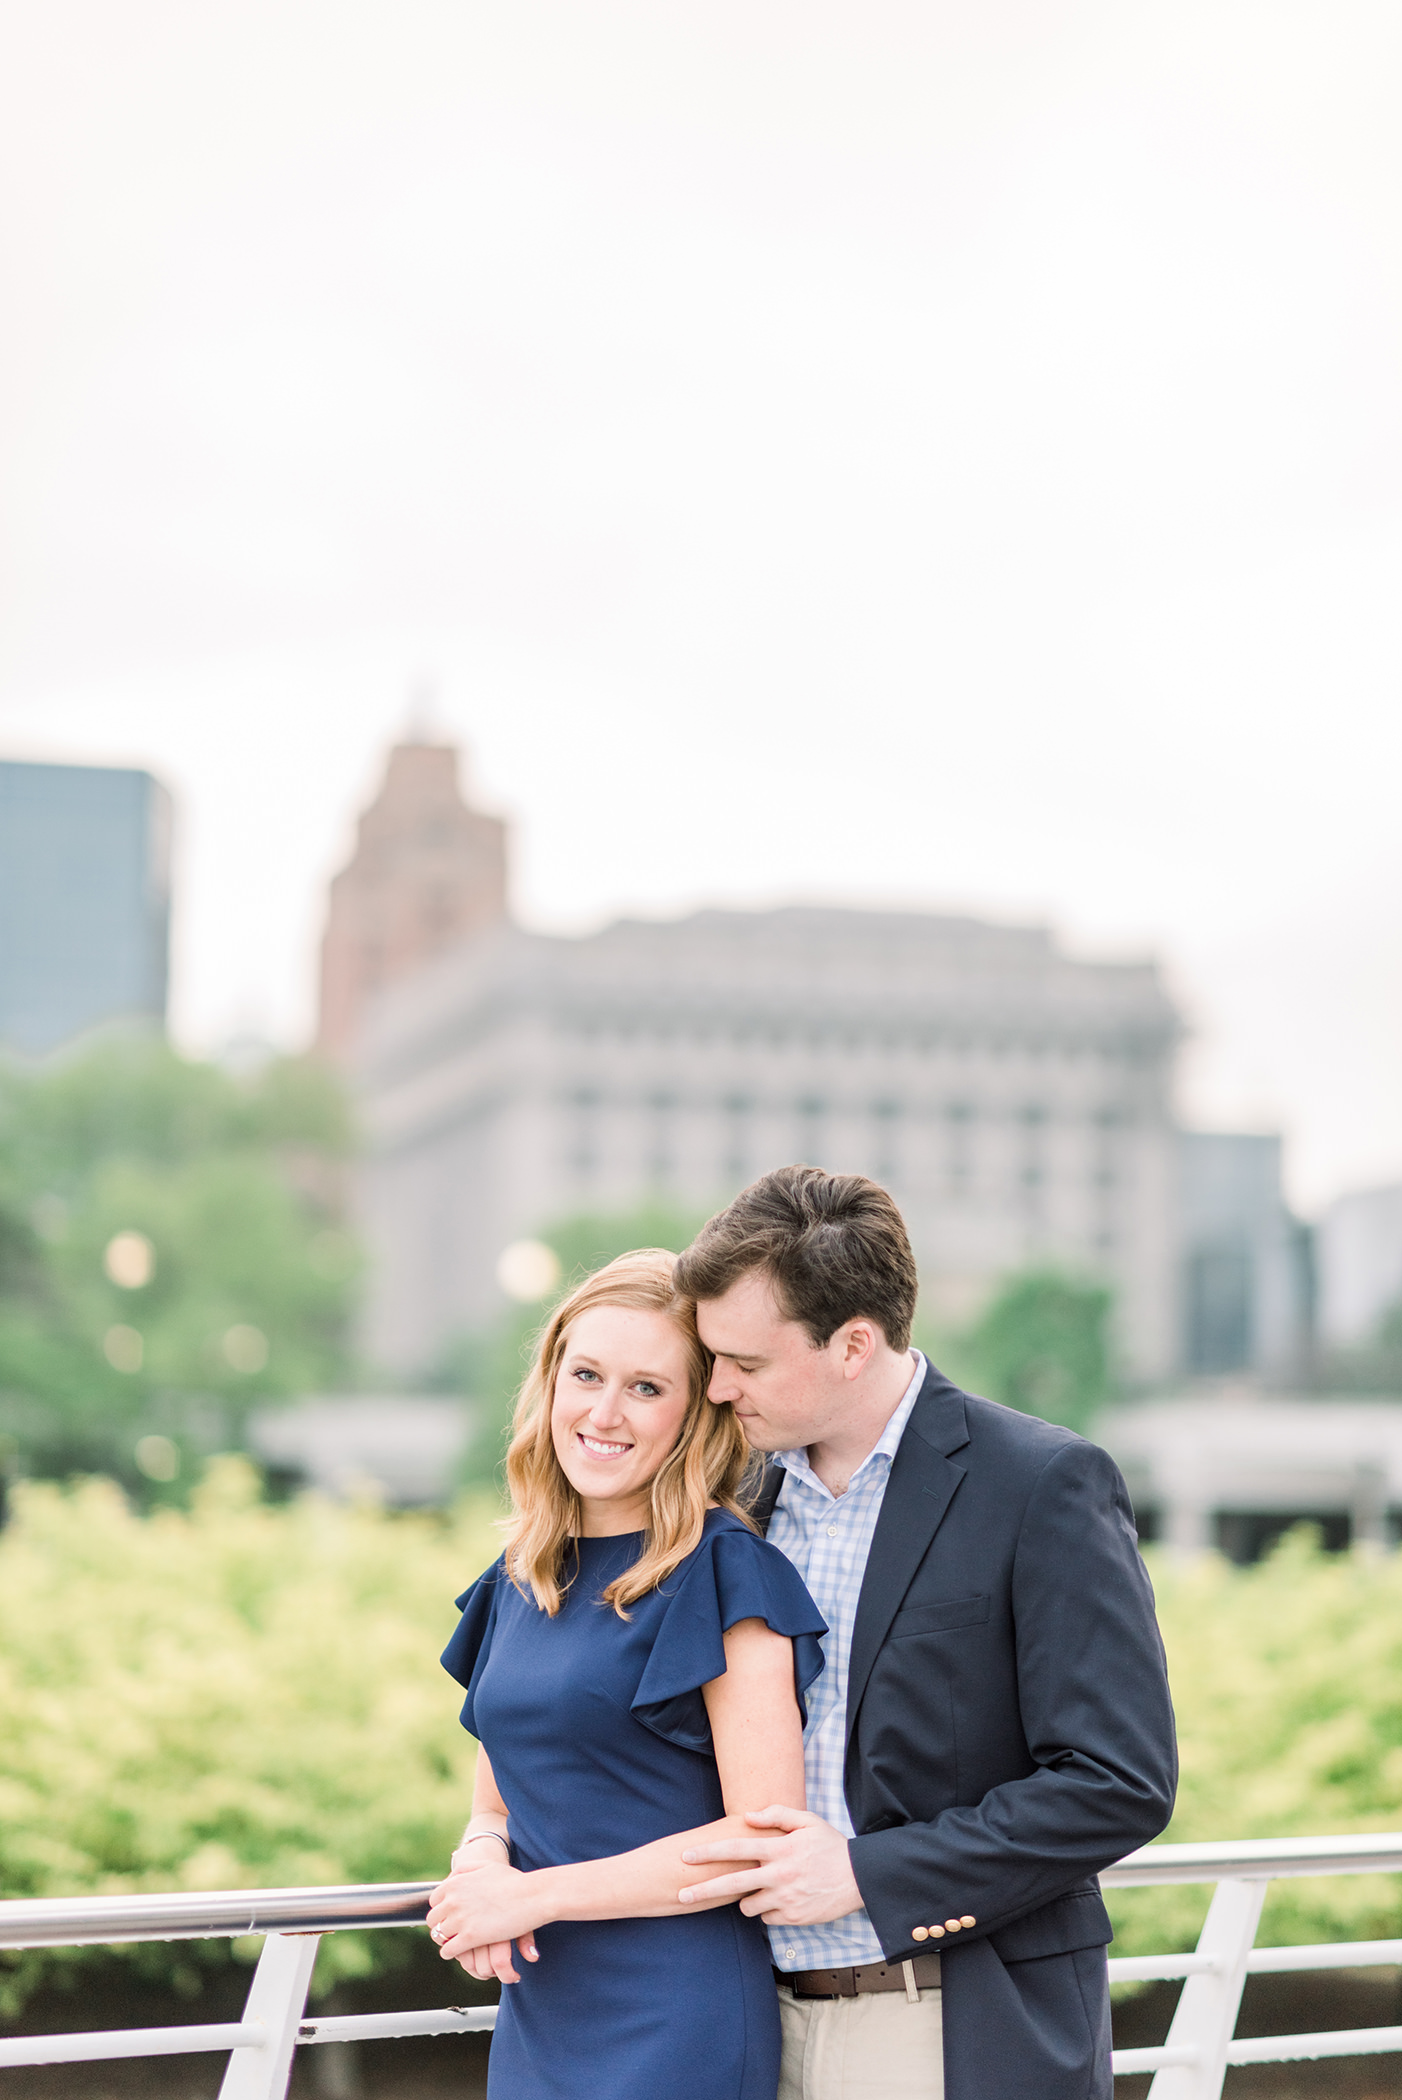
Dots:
pixel 1096 1715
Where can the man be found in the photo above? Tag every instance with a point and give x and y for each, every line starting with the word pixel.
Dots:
pixel 993 1725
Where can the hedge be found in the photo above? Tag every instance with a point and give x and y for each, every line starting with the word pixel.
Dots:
pixel 244 1695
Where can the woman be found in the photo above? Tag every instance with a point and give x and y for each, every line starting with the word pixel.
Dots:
pixel 635 1665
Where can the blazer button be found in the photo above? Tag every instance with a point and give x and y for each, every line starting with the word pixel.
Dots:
pixel 968 1921
pixel 952 1924
pixel 937 1932
pixel 920 1932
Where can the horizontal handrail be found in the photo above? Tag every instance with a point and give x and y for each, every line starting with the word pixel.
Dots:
pixel 83 1921
pixel 113 2044
pixel 109 2045
pixel 1300 2048
pixel 101 1921
pixel 393 2027
pixel 1257 1859
pixel 280 1915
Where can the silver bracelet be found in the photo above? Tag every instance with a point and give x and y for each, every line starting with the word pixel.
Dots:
pixel 471 1836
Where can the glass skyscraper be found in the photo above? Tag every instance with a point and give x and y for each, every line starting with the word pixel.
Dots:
pixel 84 901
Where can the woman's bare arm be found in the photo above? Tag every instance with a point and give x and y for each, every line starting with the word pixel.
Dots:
pixel 489 1820
pixel 758 1740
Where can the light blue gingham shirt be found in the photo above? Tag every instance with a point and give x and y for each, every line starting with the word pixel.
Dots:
pixel 828 1538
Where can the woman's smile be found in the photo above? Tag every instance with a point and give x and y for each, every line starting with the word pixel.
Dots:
pixel 621 1396
pixel 597 1447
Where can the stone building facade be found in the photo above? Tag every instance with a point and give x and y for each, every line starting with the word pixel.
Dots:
pixel 1015 1100
pixel 426 874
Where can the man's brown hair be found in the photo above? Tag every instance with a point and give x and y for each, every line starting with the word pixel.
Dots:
pixel 834 1247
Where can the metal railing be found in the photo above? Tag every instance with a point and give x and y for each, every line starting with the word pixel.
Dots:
pixel 1190 2065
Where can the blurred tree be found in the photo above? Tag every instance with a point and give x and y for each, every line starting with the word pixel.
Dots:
pixel 489 1364
pixel 171 1250
pixel 1040 1345
pixel 1375 1366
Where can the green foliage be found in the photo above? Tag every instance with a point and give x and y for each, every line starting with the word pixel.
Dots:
pixel 1041 1345
pixel 237 1187
pixel 490 1364
pixel 232 1696
pixel 1375 1366
pixel 239 1695
pixel 1287 1681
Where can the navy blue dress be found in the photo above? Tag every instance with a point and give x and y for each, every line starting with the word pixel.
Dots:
pixel 599 1741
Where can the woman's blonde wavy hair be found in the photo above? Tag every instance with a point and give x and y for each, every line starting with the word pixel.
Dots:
pixel 703 1469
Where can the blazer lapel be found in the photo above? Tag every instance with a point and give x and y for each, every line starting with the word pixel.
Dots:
pixel 922 1484
pixel 771 1480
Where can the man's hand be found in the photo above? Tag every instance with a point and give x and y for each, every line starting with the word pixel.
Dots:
pixel 475 1915
pixel 804 1875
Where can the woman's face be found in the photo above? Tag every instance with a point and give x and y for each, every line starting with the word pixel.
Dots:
pixel 619 1403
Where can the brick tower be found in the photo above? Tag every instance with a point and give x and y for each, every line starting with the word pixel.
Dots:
pixel 427 872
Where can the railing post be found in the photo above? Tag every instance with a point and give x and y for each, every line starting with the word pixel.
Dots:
pixel 276 2000
pixel 1208 2006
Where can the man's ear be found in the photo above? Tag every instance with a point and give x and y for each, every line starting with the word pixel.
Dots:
pixel 858 1338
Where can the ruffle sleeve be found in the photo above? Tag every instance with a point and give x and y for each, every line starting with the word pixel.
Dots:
pixel 465 1656
pixel 732 1576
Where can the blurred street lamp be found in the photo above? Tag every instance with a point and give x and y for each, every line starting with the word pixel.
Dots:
pixel 245 1349
pixel 157 1457
pixel 123 1348
pixel 528 1270
pixel 130 1260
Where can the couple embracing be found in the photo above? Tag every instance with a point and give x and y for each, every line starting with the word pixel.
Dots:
pixel 795 1780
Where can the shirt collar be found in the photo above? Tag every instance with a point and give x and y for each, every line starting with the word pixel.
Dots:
pixel 884 1449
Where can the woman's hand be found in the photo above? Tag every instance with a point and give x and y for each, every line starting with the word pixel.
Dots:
pixel 483 1850
pixel 478 1911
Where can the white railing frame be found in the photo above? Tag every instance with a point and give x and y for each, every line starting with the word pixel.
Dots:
pixel 1190 2065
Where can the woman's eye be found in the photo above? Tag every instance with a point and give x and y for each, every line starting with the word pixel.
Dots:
pixel 648 1390
pixel 583 1374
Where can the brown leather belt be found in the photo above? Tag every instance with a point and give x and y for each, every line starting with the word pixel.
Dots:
pixel 923 1972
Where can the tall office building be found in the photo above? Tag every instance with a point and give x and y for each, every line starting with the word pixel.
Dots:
pixel 84 901
pixel 1360 1265
pixel 427 872
pixel 1246 1278
pixel 1016 1101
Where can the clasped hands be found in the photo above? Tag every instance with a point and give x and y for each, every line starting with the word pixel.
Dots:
pixel 799 1875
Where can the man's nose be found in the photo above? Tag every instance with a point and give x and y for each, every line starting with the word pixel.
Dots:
pixel 724 1387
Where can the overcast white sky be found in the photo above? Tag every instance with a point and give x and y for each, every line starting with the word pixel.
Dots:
pixel 943 454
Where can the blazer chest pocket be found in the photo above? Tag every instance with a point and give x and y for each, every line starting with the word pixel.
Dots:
pixel 943 1616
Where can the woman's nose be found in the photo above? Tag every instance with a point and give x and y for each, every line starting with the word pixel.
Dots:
pixel 606 1409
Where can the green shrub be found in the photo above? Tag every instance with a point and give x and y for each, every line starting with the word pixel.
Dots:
pixel 234 1696
pixel 1287 1682
pixel 239 1695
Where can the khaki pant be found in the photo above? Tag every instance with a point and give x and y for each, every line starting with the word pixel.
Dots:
pixel 874 2047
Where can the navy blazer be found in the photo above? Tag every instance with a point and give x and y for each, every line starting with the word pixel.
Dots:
pixel 1009 1733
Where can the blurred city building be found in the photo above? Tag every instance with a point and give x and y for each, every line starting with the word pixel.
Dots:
pixel 1233 1468
pixel 1359 1242
pixel 1246 1274
pixel 1016 1101
pixel 84 901
pixel 427 872
pixel 406 1450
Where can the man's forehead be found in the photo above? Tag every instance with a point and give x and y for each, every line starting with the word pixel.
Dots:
pixel 745 1319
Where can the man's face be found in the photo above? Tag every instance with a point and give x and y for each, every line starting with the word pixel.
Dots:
pixel 786 1392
